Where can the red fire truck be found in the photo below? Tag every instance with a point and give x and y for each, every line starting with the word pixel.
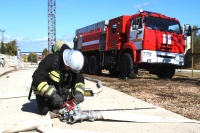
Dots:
pixel 123 45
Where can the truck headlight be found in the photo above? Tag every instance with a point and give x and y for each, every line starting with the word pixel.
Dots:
pixel 181 58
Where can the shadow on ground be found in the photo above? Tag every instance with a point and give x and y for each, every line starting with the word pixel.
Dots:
pixel 30 107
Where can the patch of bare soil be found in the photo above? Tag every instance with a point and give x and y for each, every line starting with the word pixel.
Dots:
pixel 181 94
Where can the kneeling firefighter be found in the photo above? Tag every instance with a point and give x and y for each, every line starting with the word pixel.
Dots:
pixel 58 78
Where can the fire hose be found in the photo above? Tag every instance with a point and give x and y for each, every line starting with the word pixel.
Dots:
pixel 98 84
pixel 72 113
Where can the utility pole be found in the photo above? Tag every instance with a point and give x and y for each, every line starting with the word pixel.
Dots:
pixel 2 35
pixel 51 24
pixel 192 41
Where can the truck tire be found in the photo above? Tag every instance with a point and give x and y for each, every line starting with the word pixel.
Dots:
pixel 93 67
pixel 127 68
pixel 85 66
pixel 166 72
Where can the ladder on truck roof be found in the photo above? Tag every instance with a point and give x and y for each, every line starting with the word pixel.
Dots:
pixel 99 25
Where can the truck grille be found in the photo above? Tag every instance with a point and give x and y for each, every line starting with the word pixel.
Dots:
pixel 165 47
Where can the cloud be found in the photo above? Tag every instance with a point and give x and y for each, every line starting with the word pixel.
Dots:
pixel 36 44
pixel 32 45
pixel 142 5
pixel 6 38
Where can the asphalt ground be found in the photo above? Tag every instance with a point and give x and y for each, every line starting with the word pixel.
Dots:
pixel 15 108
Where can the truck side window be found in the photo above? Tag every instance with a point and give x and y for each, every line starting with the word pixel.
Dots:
pixel 137 23
pixel 133 24
pixel 114 28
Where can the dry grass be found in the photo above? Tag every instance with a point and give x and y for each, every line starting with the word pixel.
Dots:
pixel 180 94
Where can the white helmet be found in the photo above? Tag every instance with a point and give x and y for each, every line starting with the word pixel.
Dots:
pixel 74 59
pixel 58 46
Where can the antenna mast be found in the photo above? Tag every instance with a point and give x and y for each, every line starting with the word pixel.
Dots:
pixel 51 24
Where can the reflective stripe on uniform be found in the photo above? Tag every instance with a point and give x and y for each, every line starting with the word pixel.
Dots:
pixel 80 87
pixel 54 75
pixel 44 88
pixel 50 91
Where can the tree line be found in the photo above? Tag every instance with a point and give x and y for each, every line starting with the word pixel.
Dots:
pixel 33 57
pixel 196 50
pixel 11 49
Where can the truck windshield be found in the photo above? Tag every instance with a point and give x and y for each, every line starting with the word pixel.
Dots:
pixel 162 24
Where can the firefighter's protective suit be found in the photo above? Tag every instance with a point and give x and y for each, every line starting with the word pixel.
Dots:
pixel 53 85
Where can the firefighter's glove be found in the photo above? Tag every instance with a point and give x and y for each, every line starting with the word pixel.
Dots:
pixel 79 97
pixel 56 100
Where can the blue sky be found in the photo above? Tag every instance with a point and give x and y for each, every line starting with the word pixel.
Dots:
pixel 27 20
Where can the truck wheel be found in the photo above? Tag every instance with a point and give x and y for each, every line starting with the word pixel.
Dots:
pixel 166 72
pixel 127 68
pixel 85 66
pixel 93 67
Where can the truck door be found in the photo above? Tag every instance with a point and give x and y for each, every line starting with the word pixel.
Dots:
pixel 136 32
pixel 113 39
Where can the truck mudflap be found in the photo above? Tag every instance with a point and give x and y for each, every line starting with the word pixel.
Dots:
pixel 165 71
